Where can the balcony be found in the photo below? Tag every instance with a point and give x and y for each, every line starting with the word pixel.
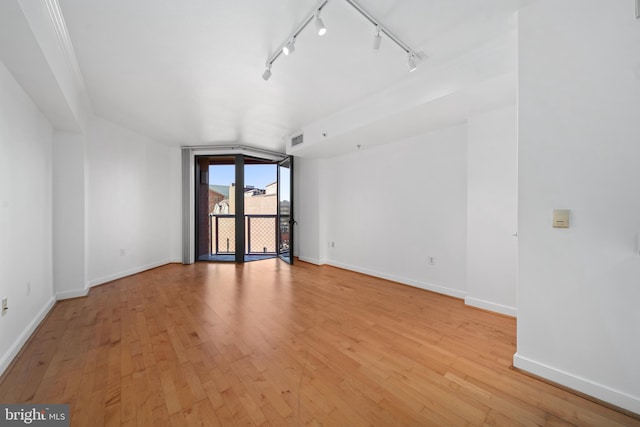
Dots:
pixel 261 237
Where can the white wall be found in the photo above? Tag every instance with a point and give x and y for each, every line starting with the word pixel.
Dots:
pixel 390 207
pixel 492 210
pixel 579 104
pixel 307 209
pixel 133 200
pixel 25 216
pixel 69 272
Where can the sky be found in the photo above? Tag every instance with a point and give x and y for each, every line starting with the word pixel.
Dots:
pixel 257 175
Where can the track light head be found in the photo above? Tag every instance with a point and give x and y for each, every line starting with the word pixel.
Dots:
pixel 289 47
pixel 322 30
pixel 377 39
pixel 412 61
pixel 267 73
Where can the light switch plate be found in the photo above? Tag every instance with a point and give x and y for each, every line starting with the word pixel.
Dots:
pixel 561 218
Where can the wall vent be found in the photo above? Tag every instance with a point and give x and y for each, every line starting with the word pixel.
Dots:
pixel 297 140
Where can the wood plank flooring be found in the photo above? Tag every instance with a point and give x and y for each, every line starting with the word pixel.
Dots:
pixel 271 344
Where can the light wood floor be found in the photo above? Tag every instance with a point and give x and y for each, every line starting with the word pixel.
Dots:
pixel 270 344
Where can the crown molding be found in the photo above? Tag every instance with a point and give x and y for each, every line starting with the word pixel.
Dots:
pixel 64 40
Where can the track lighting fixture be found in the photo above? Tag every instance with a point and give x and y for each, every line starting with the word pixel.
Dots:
pixel 377 39
pixel 322 30
pixel 267 73
pixel 289 47
pixel 412 61
pixel 412 58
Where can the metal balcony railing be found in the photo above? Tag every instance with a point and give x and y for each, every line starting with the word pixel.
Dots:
pixel 261 234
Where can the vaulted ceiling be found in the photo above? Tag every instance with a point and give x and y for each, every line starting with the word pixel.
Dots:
pixel 189 72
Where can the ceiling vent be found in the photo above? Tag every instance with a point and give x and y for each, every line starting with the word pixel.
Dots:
pixel 297 140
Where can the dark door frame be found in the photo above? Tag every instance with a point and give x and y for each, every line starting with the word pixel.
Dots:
pixel 288 256
pixel 239 206
pixel 240 231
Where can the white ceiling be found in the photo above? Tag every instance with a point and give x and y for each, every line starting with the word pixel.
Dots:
pixel 189 72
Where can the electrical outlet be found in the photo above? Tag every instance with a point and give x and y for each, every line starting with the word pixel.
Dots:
pixel 432 260
pixel 5 305
pixel 28 288
pixel 333 244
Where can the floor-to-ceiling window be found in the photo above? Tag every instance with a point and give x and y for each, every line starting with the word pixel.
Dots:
pixel 238 203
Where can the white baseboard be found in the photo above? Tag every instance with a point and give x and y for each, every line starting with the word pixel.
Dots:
pixel 131 271
pixel 491 306
pixel 72 294
pixel 583 385
pixel 474 302
pixel 22 339
pixel 310 260
pixel 405 281
pixel 84 292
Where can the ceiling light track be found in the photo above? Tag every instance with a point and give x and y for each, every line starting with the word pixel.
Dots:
pixel 286 47
pixel 380 27
pixel 289 46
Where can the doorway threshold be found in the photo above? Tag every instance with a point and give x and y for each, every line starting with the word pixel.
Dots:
pixel 232 257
